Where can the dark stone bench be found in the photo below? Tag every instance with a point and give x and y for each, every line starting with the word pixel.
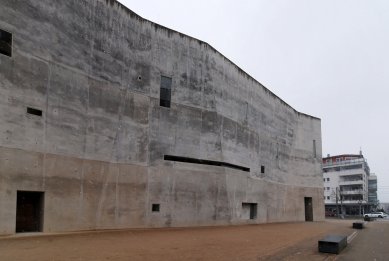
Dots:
pixel 358 225
pixel 333 244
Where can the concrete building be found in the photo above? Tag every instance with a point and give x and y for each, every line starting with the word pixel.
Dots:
pixel 349 184
pixel 108 120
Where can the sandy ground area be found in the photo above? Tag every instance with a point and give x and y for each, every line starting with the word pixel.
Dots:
pixel 279 241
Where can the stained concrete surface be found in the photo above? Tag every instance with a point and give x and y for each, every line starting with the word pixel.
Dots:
pixel 94 69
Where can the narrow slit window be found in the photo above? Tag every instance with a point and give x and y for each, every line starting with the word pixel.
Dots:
pixel 165 91
pixel 5 43
pixel 205 162
pixel 314 149
pixel 33 111
pixel 262 169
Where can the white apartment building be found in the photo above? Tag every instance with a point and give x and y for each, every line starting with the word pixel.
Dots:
pixel 346 180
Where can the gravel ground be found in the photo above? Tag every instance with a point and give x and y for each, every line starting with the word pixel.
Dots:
pixel 277 241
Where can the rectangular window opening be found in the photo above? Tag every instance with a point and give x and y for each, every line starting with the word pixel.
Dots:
pixel 308 209
pixel 165 91
pixel 205 162
pixel 249 210
pixel 5 43
pixel 262 169
pixel 29 211
pixel 34 111
pixel 155 207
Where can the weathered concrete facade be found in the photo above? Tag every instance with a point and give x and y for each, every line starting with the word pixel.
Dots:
pixel 93 69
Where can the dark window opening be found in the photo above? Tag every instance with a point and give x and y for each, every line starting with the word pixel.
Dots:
pixel 34 111
pixel 308 209
pixel 155 207
pixel 249 210
pixel 205 162
pixel 29 211
pixel 5 43
pixel 314 149
pixel 165 91
pixel 262 169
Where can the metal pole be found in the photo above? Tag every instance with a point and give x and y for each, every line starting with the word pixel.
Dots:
pixel 337 207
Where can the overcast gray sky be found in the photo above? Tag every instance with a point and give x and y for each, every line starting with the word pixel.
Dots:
pixel 326 58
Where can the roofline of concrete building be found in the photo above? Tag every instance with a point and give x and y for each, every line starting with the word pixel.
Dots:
pixel 158 26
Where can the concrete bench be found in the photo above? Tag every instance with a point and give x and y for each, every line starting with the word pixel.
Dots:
pixel 358 225
pixel 333 244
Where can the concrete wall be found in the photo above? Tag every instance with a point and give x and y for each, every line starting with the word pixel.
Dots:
pixel 94 69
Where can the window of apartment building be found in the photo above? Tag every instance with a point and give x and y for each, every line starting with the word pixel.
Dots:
pixel 328 197
pixel 324 179
pixel 328 179
pixel 328 188
pixel 338 159
pixel 165 91
pixel 5 43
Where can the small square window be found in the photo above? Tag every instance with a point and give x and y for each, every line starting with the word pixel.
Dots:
pixel 328 179
pixel 5 43
pixel 155 207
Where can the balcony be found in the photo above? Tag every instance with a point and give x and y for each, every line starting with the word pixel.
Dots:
pixel 352 192
pixel 351 172
pixel 352 182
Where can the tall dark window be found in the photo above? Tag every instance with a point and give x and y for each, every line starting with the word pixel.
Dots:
pixel 314 148
pixel 5 43
pixel 165 91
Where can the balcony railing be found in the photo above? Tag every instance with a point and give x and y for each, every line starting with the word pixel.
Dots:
pixel 351 172
pixel 351 182
pixel 352 192
pixel 343 163
pixel 354 202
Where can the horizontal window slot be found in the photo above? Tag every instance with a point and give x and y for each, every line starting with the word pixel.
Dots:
pixel 34 111
pixel 205 162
